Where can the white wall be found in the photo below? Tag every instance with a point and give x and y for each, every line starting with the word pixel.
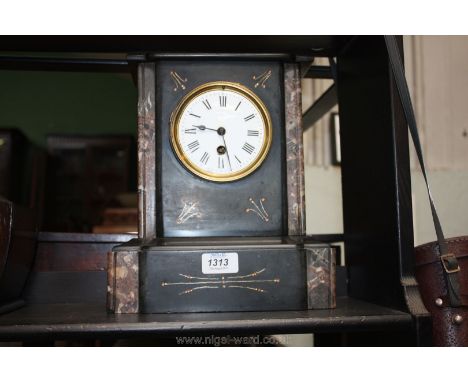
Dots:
pixel 437 70
pixel 324 212
pixel 450 191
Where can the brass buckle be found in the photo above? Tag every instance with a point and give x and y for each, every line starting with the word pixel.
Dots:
pixel 444 258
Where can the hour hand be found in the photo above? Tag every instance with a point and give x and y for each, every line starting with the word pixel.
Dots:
pixel 203 127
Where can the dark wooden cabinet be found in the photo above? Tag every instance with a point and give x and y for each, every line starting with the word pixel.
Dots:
pixel 13 160
pixel 17 249
pixel 22 166
pixel 84 176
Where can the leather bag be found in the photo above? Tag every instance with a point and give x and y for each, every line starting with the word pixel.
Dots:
pixel 441 267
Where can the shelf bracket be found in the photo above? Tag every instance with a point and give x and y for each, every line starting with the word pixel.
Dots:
pixel 320 107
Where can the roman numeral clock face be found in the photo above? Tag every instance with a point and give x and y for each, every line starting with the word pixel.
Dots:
pixel 221 131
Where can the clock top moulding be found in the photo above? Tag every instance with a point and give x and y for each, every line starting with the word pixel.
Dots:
pixel 183 45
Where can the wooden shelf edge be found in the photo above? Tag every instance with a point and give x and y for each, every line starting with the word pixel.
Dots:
pixel 80 320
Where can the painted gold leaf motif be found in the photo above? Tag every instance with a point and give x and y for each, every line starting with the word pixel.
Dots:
pixel 258 209
pixel 190 210
pixel 262 78
pixel 248 282
pixel 179 82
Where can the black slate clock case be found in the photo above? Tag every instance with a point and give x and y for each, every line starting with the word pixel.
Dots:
pixel 249 219
pixel 218 209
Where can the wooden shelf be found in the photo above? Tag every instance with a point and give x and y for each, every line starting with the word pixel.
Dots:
pixel 61 321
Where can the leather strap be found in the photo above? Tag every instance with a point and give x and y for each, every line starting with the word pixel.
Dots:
pixel 448 261
pixel 433 258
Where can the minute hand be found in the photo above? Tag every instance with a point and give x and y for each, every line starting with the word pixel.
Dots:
pixel 203 127
pixel 227 153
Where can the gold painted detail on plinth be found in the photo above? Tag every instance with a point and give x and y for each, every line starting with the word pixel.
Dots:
pixel 203 283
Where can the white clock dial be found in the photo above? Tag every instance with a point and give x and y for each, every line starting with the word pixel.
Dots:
pixel 221 131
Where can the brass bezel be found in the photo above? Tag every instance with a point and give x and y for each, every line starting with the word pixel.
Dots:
pixel 221 85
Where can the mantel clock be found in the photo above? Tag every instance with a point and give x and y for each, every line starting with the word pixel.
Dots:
pixel 213 115
pixel 221 192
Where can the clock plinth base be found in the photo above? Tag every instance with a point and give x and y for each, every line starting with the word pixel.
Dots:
pixel 220 275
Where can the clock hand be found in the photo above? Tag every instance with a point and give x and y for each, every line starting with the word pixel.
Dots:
pixel 227 153
pixel 203 127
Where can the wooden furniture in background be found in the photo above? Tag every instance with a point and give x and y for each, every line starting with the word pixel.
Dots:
pixel 84 175
pixel 71 268
pixel 118 220
pixel 17 249
pixel 14 165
